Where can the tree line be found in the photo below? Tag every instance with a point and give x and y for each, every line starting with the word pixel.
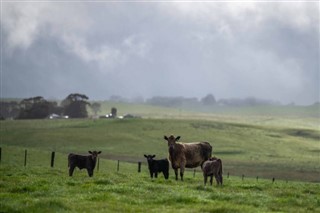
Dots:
pixel 208 100
pixel 73 106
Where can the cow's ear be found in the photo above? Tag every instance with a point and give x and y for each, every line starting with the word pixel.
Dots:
pixel 153 156
pixel 145 156
pixel 90 152
pixel 165 137
pixel 99 152
pixel 178 138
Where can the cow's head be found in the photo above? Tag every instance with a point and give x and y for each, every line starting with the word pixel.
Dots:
pixel 171 141
pixel 149 157
pixel 213 158
pixel 94 154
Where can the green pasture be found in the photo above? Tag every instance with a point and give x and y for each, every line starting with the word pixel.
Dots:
pixel 279 116
pixel 37 188
pixel 250 150
pixel 284 146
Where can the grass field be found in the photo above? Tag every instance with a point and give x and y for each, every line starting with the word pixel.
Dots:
pixel 268 146
pixel 282 153
pixel 42 189
pixel 307 117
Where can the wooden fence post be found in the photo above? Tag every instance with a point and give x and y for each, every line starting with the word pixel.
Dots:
pixel 194 173
pixel 257 178
pixel 52 159
pixel 139 167
pixel 273 179
pixel 228 175
pixel 118 166
pixel 25 158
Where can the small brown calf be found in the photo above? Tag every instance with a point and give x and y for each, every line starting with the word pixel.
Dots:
pixel 212 167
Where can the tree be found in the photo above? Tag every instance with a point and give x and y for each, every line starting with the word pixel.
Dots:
pixel 208 100
pixel 95 107
pixel 113 112
pixel 75 105
pixel 34 108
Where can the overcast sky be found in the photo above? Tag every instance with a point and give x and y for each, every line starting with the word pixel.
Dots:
pixel 266 50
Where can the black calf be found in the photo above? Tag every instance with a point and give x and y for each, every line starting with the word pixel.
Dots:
pixel 157 166
pixel 80 161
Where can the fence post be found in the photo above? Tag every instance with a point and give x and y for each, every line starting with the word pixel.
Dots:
pixel 139 167
pixel 98 164
pixel 118 166
pixel 52 159
pixel 228 175
pixel 273 179
pixel 257 178
pixel 25 158
pixel 194 173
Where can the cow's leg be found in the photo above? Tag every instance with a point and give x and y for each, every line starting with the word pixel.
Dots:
pixel 156 174
pixel 176 173
pixel 205 178
pixel 90 172
pixel 211 177
pixel 181 171
pixel 166 174
pixel 217 179
pixel 221 179
pixel 151 174
pixel 71 169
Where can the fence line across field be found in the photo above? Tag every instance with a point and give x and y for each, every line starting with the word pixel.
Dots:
pixel 118 165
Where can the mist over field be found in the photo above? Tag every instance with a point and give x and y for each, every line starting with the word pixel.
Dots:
pixel 266 50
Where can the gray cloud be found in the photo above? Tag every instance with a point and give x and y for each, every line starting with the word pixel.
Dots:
pixel 266 50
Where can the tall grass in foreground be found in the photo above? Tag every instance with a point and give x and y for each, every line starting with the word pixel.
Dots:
pixel 43 189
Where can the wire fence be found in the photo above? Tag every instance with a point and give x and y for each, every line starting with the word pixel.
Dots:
pixel 139 164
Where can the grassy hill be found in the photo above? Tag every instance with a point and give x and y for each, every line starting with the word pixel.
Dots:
pixel 252 150
pixel 281 146
pixel 282 116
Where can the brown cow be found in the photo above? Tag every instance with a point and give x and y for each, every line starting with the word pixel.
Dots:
pixel 187 155
pixel 212 167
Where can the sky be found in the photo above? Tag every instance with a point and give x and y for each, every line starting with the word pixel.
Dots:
pixel 263 49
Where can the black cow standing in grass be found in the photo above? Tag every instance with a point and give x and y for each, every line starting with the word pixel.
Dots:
pixel 157 166
pixel 80 161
